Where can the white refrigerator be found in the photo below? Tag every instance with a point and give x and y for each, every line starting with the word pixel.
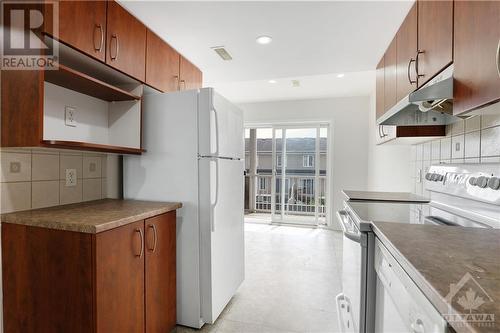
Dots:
pixel 195 149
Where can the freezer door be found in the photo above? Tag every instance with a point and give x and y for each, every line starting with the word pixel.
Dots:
pixel 222 236
pixel 220 126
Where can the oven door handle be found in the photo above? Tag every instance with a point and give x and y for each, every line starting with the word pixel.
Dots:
pixel 343 216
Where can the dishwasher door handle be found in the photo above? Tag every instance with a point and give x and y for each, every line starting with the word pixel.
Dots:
pixel 343 217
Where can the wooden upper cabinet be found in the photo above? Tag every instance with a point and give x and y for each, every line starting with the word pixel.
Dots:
pixel 162 64
pixel 82 25
pixel 477 39
pixel 390 76
pixel 379 89
pixel 191 76
pixel 406 52
pixel 119 279
pixel 125 42
pixel 160 273
pixel 435 37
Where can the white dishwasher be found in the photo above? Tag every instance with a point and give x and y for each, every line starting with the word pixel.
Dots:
pixel 400 305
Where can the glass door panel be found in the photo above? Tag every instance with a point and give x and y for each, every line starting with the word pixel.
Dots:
pixel 300 170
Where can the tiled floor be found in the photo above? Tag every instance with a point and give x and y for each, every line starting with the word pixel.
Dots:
pixel 292 277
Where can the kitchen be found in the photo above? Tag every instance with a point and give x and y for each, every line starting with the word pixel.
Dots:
pixel 123 153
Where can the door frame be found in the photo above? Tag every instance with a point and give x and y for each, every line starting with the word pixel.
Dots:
pixel 329 160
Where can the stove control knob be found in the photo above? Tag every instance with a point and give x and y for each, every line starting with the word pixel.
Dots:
pixel 494 183
pixel 473 181
pixel 482 182
pixel 440 178
pixel 428 176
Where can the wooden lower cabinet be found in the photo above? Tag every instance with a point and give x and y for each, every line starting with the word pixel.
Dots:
pixel 121 280
pixel 160 278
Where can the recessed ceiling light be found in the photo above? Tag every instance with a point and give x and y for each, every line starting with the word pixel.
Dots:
pixel 264 40
pixel 340 75
pixel 272 81
pixel 295 83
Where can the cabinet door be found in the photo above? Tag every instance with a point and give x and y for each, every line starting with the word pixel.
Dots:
pixel 390 74
pixel 160 273
pixel 379 89
pixel 125 42
pixel 477 39
pixel 191 76
pixel 406 52
pixel 119 258
pixel 82 24
pixel 47 280
pixel 162 64
pixel 435 37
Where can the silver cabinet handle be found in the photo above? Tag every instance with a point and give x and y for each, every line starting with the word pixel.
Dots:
pixel 155 239
pixel 177 83
pixel 383 133
pixel 101 40
pixel 419 52
pixel 498 58
pixel 408 71
pixel 141 236
pixel 182 85
pixel 117 47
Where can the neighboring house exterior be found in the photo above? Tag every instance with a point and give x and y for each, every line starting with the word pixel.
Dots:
pixel 300 171
pixel 300 156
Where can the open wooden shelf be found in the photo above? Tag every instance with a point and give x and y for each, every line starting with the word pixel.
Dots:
pixel 85 84
pixel 91 146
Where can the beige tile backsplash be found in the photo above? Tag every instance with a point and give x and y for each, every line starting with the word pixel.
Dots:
pixel 475 140
pixel 34 178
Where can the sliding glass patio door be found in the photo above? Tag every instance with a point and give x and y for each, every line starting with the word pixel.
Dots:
pixel 299 174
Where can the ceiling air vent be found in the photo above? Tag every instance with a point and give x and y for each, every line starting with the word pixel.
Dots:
pixel 221 51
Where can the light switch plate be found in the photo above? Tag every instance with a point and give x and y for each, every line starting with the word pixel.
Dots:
pixel 70 177
pixel 70 116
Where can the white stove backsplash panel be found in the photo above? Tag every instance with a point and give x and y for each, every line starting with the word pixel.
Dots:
pixel 472 141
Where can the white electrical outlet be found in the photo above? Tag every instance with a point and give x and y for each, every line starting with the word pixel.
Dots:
pixel 70 177
pixel 70 116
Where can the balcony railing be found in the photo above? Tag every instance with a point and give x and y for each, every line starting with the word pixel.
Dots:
pixel 299 194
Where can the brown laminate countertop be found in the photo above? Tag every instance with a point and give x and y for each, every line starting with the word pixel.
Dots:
pixel 383 196
pixel 437 257
pixel 92 216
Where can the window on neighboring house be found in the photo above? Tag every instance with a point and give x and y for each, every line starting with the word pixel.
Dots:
pixel 278 160
pixel 262 183
pixel 308 161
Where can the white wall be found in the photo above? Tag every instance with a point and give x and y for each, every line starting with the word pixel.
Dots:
pixel 389 164
pixel 349 125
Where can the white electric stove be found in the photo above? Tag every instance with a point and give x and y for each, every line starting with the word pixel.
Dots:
pixel 460 195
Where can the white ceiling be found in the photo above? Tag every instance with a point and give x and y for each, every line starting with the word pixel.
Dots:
pixel 312 41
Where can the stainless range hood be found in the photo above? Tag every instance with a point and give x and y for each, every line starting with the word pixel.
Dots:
pixel 432 104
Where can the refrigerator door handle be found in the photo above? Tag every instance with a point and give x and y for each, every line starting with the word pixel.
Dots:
pixel 216 119
pixel 212 210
